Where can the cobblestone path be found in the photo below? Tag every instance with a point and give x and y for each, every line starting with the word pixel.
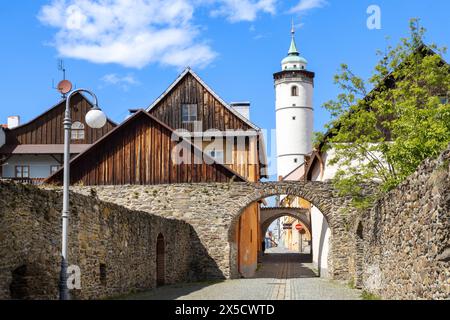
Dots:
pixel 283 275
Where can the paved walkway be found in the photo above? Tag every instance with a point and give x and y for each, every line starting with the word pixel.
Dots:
pixel 282 276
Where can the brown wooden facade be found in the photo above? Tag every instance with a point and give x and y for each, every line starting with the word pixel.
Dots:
pixel 212 114
pixel 140 151
pixel 48 127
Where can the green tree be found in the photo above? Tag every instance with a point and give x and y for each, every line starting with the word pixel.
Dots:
pixel 385 133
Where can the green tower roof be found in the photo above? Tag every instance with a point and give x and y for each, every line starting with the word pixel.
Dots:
pixel 293 54
pixel 293 49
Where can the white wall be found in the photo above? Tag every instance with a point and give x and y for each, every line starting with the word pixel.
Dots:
pixel 331 170
pixel 320 230
pixel 39 165
pixel 320 241
pixel 294 123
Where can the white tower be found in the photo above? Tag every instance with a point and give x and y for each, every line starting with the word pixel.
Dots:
pixel 294 87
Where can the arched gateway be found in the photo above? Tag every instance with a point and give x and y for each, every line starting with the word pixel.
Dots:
pixel 336 210
pixel 214 209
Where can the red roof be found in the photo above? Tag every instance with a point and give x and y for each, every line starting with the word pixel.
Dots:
pixel 4 126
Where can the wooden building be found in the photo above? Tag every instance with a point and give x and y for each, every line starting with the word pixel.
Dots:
pixel 190 105
pixel 33 151
pixel 143 150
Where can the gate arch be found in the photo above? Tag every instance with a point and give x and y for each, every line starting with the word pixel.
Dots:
pixel 321 195
pixel 269 215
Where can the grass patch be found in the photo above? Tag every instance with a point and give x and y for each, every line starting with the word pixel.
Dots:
pixel 369 296
pixel 351 284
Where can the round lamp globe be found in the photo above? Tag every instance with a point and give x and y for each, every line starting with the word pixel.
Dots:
pixel 96 119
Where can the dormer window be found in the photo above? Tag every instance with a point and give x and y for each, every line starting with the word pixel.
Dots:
pixel 189 113
pixel 294 91
pixel 77 131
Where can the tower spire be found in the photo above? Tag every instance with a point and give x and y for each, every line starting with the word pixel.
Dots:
pixel 293 48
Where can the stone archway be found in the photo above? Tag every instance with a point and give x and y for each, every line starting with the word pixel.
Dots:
pixel 269 215
pixel 319 194
pixel 214 209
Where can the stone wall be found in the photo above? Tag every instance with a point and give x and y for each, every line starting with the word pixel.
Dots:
pixel 404 241
pixel 115 247
pixel 213 210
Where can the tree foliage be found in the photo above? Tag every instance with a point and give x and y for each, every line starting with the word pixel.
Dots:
pixel 385 133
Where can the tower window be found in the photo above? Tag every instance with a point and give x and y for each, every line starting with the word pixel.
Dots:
pixel 77 131
pixel 295 160
pixel 294 118
pixel 294 91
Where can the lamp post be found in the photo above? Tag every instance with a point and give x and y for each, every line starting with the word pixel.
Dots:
pixel 95 119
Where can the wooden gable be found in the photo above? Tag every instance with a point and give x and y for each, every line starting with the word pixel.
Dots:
pixel 140 151
pixel 48 127
pixel 212 112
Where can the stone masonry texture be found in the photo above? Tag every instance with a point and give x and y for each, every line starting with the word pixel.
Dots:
pixel 213 210
pixel 398 250
pixel 405 237
pixel 104 236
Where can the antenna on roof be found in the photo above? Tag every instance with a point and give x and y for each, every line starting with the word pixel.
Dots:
pixel 62 68
pixel 64 86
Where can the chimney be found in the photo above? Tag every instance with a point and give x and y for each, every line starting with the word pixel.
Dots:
pixel 13 122
pixel 242 107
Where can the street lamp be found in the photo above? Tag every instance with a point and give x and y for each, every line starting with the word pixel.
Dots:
pixel 95 119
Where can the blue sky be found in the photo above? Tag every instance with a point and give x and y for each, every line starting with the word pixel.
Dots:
pixel 130 54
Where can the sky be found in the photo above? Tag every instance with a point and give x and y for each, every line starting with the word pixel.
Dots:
pixel 129 51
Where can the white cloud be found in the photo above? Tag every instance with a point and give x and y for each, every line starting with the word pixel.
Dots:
pixel 135 33
pixel 132 33
pixel 123 82
pixel 243 10
pixel 305 5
